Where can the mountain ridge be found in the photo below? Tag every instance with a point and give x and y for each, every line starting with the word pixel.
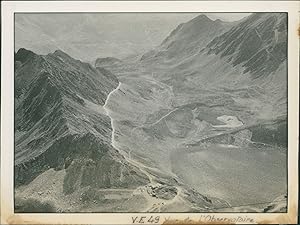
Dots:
pixel 59 127
pixel 262 46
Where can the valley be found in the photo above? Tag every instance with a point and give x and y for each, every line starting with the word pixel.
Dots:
pixel 198 124
pixel 168 146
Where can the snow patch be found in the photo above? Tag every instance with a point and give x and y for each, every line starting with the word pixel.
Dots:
pixel 230 122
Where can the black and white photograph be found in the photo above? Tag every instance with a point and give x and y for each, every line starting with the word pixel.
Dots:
pixel 151 112
pixel 122 113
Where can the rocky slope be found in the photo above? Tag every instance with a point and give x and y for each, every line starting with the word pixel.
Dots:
pixel 87 36
pixel 60 124
pixel 242 64
pixel 259 43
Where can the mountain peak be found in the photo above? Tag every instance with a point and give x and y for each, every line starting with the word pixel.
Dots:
pixel 201 18
pixel 23 54
pixel 61 53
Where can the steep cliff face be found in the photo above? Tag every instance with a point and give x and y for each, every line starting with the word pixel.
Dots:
pixel 60 123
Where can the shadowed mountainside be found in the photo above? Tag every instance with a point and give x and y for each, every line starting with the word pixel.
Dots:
pixel 258 43
pixel 60 124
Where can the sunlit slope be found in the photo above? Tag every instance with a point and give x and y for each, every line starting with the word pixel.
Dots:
pixel 224 110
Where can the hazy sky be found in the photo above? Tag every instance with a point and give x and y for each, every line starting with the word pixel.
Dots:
pixel 87 36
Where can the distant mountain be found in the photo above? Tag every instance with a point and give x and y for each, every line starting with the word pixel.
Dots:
pixel 88 36
pixel 107 62
pixel 188 38
pixel 247 55
pixel 60 123
pixel 240 66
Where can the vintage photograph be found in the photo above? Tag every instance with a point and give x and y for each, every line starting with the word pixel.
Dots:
pixel 150 112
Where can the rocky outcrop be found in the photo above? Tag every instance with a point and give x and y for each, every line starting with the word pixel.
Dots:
pixel 162 191
pixel 278 205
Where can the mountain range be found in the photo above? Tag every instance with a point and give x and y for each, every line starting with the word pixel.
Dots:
pixel 86 36
pixel 178 127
